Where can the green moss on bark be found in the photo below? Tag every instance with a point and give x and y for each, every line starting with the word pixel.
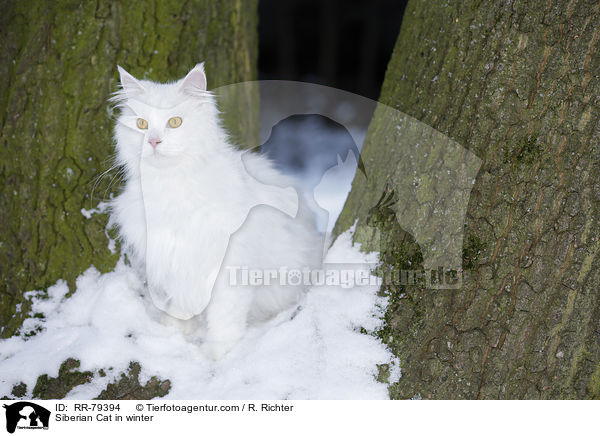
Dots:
pixel 48 388
pixel 129 387
pixel 19 390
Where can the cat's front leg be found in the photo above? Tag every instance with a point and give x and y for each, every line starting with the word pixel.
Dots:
pixel 226 320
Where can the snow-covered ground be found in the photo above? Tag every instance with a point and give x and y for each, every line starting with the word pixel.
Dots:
pixel 316 352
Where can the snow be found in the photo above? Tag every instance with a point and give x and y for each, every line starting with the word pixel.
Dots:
pixel 312 352
pixel 102 207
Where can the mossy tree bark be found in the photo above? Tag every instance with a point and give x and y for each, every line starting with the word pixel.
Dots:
pixel 517 84
pixel 58 67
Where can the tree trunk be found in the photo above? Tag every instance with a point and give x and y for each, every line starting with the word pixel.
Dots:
pixel 517 84
pixel 58 68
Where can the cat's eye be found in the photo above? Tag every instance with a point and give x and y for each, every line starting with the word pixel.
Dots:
pixel 142 123
pixel 175 122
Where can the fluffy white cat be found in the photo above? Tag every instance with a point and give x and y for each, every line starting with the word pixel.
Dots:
pixel 191 213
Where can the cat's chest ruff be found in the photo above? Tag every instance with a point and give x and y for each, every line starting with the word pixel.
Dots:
pixel 193 201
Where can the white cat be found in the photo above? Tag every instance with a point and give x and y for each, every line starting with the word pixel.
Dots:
pixel 190 212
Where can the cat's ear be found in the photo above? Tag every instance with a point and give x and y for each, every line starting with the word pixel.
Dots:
pixel 195 81
pixel 130 84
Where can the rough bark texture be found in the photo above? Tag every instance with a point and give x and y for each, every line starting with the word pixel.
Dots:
pixel 515 82
pixel 58 67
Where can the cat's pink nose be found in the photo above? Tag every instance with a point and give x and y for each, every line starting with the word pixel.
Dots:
pixel 154 142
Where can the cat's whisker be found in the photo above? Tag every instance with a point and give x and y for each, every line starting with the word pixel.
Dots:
pixel 117 177
pixel 99 178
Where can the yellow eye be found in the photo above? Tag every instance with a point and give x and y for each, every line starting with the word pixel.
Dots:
pixel 175 122
pixel 142 123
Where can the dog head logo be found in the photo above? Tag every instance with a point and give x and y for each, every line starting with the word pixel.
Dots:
pixel 26 415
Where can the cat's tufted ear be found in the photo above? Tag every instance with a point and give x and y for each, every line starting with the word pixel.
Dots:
pixel 195 81
pixel 130 84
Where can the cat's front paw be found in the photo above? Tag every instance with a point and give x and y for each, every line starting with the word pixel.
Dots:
pixel 216 350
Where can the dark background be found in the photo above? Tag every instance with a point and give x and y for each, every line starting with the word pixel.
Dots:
pixel 340 44
pixel 343 44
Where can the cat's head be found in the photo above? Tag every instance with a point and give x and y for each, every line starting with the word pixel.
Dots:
pixel 165 124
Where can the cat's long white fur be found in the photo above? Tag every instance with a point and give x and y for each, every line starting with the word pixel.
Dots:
pixel 190 209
